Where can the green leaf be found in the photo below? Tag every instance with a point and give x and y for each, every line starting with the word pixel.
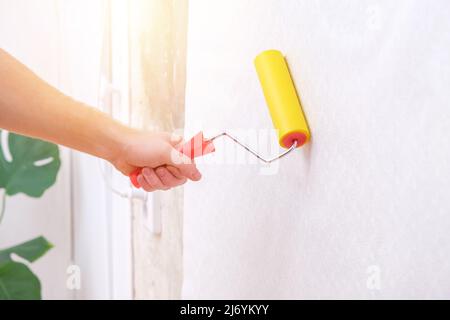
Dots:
pixel 18 282
pixel 22 174
pixel 30 250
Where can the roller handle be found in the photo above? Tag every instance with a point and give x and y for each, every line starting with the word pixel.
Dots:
pixel 197 146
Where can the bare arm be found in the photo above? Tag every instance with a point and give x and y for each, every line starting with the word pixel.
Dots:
pixel 29 106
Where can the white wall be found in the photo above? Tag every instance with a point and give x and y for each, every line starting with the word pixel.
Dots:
pixel 368 196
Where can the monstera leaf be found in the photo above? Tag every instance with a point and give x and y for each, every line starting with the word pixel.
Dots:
pixel 17 281
pixel 33 167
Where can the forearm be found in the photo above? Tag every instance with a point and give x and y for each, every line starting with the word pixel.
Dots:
pixel 31 107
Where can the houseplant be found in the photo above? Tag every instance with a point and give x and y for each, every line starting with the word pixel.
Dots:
pixel 27 166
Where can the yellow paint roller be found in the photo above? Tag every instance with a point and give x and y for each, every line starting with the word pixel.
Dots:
pixel 284 106
pixel 282 100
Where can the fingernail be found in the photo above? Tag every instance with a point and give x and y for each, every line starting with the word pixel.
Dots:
pixel 196 176
pixel 176 138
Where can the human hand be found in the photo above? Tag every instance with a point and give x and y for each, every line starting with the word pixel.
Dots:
pixel 163 167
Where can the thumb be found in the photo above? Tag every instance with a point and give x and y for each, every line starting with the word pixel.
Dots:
pixel 172 138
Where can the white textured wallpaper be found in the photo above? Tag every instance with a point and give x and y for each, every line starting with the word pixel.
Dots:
pixel 363 211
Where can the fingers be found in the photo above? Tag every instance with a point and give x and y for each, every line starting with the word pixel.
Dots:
pixel 183 163
pixel 144 184
pixel 175 172
pixel 168 179
pixel 161 178
pixel 152 180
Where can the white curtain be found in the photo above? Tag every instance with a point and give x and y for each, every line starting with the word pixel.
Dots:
pixel 61 41
pixel 157 81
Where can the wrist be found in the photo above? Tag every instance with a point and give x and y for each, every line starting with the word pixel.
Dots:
pixel 118 137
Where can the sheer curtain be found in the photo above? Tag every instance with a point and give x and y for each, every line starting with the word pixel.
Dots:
pixel 157 81
pixel 60 40
pixel 29 31
pixel 138 47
